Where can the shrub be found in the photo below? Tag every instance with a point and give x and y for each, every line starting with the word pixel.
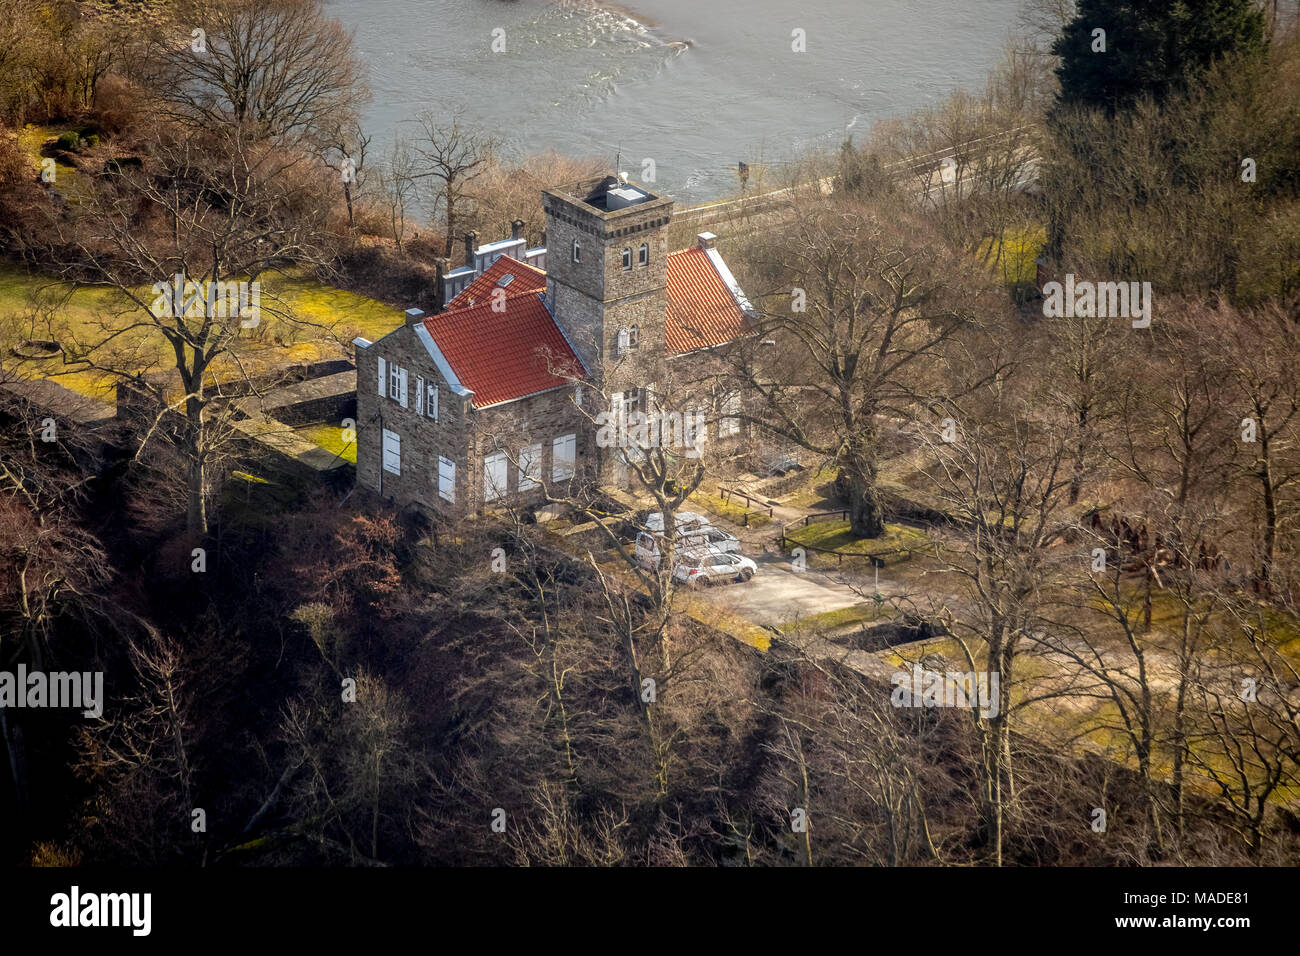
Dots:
pixel 69 141
pixel 92 141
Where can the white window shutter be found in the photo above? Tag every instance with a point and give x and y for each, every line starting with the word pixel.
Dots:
pixel 383 377
pixel 433 398
pixel 401 388
pixel 622 341
pixel 419 395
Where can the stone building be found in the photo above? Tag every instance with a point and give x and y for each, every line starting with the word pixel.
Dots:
pixel 499 396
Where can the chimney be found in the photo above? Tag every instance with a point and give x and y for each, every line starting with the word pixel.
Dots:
pixel 441 267
pixel 517 229
pixel 414 316
pixel 706 240
pixel 471 243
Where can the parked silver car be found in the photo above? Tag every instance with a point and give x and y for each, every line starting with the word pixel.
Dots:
pixel 713 567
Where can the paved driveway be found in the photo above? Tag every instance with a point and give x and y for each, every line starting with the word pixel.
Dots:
pixel 778 593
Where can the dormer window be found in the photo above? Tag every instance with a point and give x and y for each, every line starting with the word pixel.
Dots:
pixel 645 253
pixel 577 251
pixel 627 258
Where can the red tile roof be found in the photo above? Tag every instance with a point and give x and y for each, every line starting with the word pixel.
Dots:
pixel 505 355
pixel 526 279
pixel 702 312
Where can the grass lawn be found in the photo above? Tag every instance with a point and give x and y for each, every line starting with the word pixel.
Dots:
pixel 321 322
pixel 834 536
pixel 732 510
pixel 32 139
pixel 329 437
pixel 1020 247
pixel 830 620
pixel 818 494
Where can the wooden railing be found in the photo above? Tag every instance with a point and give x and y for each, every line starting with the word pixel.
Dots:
pixel 726 494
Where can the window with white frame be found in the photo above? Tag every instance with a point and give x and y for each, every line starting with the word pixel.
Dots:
pixel 564 457
pixel 495 477
pixel 392 452
pixel 530 467
pixel 394 381
pixel 627 258
pixel 431 401
pixel 446 478
pixel 577 251
pixel 645 253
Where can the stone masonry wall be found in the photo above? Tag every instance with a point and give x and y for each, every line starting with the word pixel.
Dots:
pixel 462 433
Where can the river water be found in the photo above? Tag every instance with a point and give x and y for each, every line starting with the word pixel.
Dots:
pixel 695 85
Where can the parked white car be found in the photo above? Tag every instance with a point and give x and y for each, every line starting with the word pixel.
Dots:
pixel 713 567
pixel 684 521
pixel 717 539
pixel 649 545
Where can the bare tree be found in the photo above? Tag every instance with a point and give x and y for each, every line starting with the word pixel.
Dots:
pixel 140 760
pixel 1264 372
pixel 859 305
pixel 396 184
pixel 1002 480
pixel 345 152
pixel 280 70
pixel 207 219
pixel 452 155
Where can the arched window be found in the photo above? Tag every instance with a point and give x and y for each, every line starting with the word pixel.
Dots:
pixel 627 258
pixel 577 251
pixel 645 253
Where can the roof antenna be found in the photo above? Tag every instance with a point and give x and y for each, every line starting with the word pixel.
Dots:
pixel 618 161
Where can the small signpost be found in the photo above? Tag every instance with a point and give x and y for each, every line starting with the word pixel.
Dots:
pixel 878 563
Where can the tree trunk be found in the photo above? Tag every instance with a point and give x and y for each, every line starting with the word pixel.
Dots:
pixel 866 517
pixel 196 515
pixel 993 751
pixel 1270 512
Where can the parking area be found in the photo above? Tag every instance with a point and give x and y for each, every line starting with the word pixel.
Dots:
pixel 778 594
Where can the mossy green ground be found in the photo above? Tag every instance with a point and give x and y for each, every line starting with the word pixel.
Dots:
pixel 834 535
pixel 319 323
pixel 329 437
pixel 67 179
pixel 733 510
pixel 1020 247
pixel 843 617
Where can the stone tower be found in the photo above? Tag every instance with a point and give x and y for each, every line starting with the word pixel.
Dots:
pixel 606 277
